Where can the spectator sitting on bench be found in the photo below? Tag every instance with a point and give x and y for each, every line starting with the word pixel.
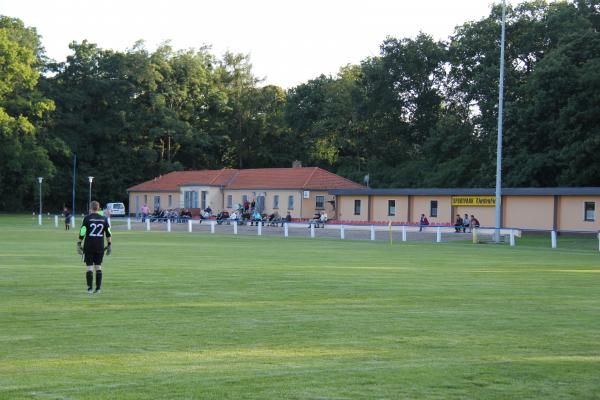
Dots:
pixel 274 219
pixel 423 222
pixel 157 215
pixel 324 219
pixel 315 220
pixel 223 215
pixel 474 223
pixel 458 224
pixel 233 216
pixel 185 214
pixel 255 217
pixel 287 219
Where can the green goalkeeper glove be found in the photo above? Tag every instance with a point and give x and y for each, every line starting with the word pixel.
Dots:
pixel 79 249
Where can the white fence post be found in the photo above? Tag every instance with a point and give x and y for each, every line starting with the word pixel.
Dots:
pixel 39 219
pixel 56 221
pixel 342 232
pixel 212 226
pixel 128 223
pixel 553 238
pixel 285 230
pixel 598 241
pixel 259 230
pixel 312 230
pixel 235 227
pixel 403 233
pixel 439 235
pixel 168 225
pixel 72 221
pixel 147 224
pixel 512 237
pixel 372 232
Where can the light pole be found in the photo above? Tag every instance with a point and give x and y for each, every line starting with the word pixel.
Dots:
pixel 40 179
pixel 90 179
pixel 499 143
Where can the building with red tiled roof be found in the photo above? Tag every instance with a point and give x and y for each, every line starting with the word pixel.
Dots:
pixel 301 191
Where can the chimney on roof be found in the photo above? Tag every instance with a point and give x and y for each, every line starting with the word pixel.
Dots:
pixel 297 164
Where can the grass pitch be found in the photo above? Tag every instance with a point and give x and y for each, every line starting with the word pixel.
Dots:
pixel 187 316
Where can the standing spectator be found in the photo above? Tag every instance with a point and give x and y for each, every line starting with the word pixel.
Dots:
pixel 465 223
pixel 145 212
pixel 423 222
pixel 67 215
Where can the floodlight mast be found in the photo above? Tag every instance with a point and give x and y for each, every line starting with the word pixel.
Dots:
pixel 90 179
pixel 500 122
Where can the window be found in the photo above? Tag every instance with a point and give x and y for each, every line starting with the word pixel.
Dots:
pixel 433 208
pixel 276 201
pixel 356 207
pixel 319 202
pixel 190 199
pixel 589 211
pixel 244 198
pixel 170 201
pixel 391 208
pixel 229 201
pixel 290 202
pixel 145 199
pixel 157 202
pixel 203 194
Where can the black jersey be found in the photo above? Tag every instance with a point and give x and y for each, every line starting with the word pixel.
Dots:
pixel 93 229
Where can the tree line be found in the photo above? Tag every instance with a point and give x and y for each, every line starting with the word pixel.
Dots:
pixel 422 113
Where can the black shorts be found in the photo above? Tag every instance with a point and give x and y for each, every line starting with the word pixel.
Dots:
pixel 93 258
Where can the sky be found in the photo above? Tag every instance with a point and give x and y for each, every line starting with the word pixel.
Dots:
pixel 289 42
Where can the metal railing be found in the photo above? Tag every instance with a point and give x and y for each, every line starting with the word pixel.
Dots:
pixel 308 228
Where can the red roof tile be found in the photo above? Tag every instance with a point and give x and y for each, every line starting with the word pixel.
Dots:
pixel 263 178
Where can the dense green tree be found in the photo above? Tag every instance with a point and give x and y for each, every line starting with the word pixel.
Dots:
pixel 22 109
pixel 324 116
pixel 555 135
pixel 421 113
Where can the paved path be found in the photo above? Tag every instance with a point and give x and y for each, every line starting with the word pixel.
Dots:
pixel 351 232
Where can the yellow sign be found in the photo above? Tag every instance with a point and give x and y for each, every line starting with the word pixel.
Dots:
pixel 474 201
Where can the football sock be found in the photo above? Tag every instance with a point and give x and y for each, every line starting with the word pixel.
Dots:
pixel 89 278
pixel 98 279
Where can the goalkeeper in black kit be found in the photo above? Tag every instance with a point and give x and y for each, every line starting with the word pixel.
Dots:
pixel 93 229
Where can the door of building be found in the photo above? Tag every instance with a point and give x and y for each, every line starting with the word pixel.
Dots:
pixel 260 204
